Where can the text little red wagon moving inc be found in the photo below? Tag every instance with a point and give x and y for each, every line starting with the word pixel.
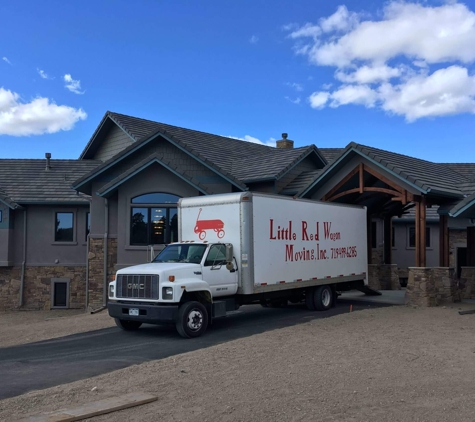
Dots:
pixel 319 232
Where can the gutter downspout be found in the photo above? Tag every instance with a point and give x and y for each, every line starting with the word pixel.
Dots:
pixel 106 225
pixel 22 280
pixel 87 272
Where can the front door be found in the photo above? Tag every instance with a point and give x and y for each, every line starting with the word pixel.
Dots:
pixel 461 260
pixel 222 282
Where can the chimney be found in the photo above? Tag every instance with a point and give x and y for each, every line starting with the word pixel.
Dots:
pixel 284 142
pixel 48 164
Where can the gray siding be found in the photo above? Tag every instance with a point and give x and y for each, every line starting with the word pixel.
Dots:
pixel 41 248
pixel 405 256
pixel 6 236
pixel 115 141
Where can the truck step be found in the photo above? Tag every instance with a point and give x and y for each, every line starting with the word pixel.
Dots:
pixel 368 291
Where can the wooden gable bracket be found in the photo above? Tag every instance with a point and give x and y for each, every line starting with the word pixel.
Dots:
pixel 399 193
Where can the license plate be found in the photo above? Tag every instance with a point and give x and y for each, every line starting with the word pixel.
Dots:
pixel 134 311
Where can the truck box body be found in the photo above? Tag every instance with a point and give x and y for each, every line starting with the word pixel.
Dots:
pixel 280 242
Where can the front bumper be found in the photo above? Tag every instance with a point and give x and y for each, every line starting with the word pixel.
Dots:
pixel 149 314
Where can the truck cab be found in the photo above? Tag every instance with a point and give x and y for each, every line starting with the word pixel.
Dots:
pixel 191 272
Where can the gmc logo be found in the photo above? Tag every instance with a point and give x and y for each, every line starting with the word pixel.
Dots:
pixel 135 286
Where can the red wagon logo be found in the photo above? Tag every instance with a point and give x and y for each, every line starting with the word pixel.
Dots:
pixel 203 225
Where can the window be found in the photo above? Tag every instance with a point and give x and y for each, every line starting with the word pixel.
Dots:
pixel 373 234
pixel 60 292
pixel 412 237
pixel 88 224
pixel 216 256
pixel 64 230
pixel 155 222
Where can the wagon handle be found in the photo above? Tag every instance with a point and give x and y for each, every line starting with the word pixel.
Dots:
pixel 197 218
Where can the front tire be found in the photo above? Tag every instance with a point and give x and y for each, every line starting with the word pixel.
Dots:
pixel 127 325
pixel 192 319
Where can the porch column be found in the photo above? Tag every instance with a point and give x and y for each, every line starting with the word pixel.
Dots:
pixel 443 241
pixel 470 246
pixel 421 232
pixel 387 239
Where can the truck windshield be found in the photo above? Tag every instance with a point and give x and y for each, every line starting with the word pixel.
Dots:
pixel 181 253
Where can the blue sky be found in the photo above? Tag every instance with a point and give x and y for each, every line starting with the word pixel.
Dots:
pixel 328 73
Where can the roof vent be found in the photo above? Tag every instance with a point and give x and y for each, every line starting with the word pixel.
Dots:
pixel 284 142
pixel 48 163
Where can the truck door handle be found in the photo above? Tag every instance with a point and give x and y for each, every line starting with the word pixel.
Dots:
pixel 232 271
pixel 197 272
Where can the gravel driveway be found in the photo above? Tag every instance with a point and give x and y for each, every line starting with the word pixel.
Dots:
pixel 388 364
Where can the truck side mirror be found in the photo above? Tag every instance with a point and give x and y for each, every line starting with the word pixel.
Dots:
pixel 229 257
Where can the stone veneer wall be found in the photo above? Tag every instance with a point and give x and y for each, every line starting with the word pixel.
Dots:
pixel 377 255
pixel 96 269
pixel 467 283
pixel 37 287
pixel 9 288
pixel 431 286
pixel 383 277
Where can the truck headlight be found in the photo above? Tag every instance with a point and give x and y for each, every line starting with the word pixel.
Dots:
pixel 167 293
pixel 111 290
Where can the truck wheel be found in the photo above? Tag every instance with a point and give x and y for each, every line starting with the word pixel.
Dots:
pixel 323 298
pixel 192 319
pixel 309 300
pixel 127 325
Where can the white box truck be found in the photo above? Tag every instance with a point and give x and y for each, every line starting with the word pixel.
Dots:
pixel 244 248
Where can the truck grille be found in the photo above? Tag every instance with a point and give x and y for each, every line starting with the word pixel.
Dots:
pixel 137 286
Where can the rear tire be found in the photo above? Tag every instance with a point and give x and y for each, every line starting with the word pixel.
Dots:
pixel 323 298
pixel 127 325
pixel 192 319
pixel 309 300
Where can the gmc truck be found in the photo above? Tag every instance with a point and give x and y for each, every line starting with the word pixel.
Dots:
pixel 244 248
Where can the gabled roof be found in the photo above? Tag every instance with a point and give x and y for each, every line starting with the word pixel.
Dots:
pixel 465 169
pixel 423 175
pixel 28 181
pixel 331 154
pixel 301 182
pixel 238 161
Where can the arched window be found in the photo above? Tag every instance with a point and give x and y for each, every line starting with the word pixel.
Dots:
pixel 154 219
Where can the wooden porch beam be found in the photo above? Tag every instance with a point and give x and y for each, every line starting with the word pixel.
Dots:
pixel 341 183
pixel 361 170
pixel 383 179
pixel 444 241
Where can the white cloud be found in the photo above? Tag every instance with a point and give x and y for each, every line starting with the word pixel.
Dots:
pixel 369 74
pixel 5 59
pixel 248 138
pixel 296 86
pixel 386 60
pixel 43 74
pixel 37 117
pixel 296 101
pixel 72 84
pixel 253 39
pixel 326 87
pixel 318 99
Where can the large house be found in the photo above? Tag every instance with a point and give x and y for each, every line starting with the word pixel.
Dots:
pixel 67 225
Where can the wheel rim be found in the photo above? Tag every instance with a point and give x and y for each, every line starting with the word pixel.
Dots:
pixel 326 298
pixel 195 320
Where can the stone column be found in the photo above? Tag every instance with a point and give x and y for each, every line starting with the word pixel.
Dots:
pixel 430 286
pixel 467 283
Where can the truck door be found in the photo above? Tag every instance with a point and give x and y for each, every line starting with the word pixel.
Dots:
pixel 222 282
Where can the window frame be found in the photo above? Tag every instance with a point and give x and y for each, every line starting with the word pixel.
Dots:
pixel 65 242
pixel 168 207
pixel 68 292
pixel 215 263
pixel 428 237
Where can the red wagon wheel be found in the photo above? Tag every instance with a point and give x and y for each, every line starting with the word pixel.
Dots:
pixel 202 235
pixel 221 234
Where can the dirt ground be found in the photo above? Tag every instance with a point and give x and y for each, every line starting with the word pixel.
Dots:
pixel 389 364
pixel 29 326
